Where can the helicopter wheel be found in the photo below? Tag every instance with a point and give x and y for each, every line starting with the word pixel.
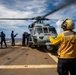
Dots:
pixel 29 45
pixel 29 39
pixel 50 48
pixel 36 46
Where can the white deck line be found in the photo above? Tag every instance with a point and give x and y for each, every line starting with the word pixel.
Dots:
pixel 26 66
pixel 53 57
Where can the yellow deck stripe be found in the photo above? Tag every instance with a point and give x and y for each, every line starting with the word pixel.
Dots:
pixel 26 66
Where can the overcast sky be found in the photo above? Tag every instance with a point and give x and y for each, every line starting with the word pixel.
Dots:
pixel 29 9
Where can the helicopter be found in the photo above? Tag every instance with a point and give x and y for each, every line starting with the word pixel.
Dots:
pixel 40 31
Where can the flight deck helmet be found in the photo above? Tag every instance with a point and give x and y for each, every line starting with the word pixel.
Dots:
pixel 68 24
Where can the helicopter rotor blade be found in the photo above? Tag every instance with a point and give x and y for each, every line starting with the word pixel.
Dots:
pixel 67 3
pixel 17 18
pixel 35 18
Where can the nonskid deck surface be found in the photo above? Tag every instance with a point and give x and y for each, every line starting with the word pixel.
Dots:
pixel 23 60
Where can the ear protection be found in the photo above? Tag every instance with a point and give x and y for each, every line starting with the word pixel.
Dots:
pixel 64 24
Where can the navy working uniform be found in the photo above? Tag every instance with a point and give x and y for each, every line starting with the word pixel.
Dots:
pixel 23 38
pixel 3 39
pixel 26 38
pixel 66 42
pixel 12 37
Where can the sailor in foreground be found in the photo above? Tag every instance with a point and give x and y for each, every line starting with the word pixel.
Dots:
pixel 66 42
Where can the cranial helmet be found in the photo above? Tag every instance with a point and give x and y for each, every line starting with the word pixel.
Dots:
pixel 68 24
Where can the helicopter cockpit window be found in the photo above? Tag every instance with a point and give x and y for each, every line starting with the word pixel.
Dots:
pixel 39 30
pixel 45 30
pixel 52 30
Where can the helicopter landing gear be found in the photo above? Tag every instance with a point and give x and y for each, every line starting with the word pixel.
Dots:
pixel 29 45
pixel 30 41
pixel 50 47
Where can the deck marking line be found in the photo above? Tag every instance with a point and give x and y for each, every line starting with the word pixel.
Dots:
pixel 26 66
pixel 53 57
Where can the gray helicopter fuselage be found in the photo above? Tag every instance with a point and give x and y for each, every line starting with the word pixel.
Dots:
pixel 40 32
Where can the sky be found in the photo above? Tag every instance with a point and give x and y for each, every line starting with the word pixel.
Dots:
pixel 29 9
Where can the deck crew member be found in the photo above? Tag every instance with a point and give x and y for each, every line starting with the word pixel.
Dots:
pixel 66 42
